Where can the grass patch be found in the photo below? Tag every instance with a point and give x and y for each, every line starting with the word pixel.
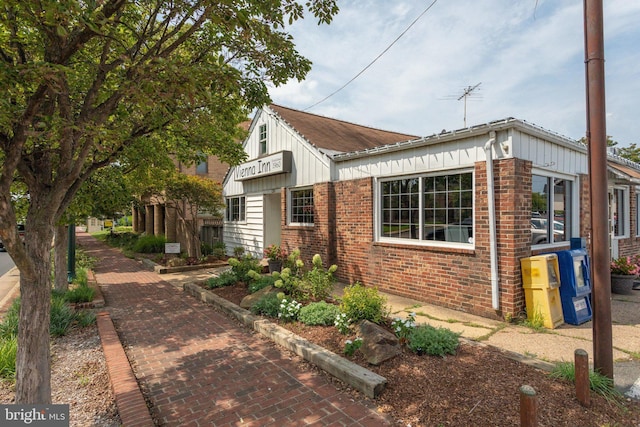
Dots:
pixel 597 382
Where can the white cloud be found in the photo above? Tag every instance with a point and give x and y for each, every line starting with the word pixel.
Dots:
pixel 528 55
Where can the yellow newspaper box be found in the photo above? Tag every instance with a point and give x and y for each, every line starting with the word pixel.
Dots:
pixel 541 283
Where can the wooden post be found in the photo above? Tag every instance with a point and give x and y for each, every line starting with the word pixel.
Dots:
pixel 582 377
pixel 528 407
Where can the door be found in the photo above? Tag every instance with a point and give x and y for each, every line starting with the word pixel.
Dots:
pixel 272 221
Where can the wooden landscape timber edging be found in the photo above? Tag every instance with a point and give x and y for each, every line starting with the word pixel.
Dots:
pixel 367 382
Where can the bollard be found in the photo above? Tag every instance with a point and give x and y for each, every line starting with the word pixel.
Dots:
pixel 582 377
pixel 528 407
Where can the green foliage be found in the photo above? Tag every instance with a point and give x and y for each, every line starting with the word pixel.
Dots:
pixel 536 321
pixel 350 347
pixel 62 316
pixel 84 261
pixel 9 325
pixel 85 318
pixel 219 250
pixel 342 322
pixel 79 293
pixel 8 352
pixel 261 282
pixel 226 278
pixel 241 267
pixel 425 339
pixel 238 252
pixel 319 313
pixel 361 303
pixel 597 382
pixel 125 240
pixel 149 244
pixel 289 310
pixel 269 305
pixel 403 328
pixel 206 249
pixel 317 284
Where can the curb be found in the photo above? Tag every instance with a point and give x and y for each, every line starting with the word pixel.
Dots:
pixel 361 379
pixel 132 408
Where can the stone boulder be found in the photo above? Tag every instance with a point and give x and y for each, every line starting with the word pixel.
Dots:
pixel 251 299
pixel 378 344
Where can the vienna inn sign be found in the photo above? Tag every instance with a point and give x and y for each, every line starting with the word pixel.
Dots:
pixel 264 166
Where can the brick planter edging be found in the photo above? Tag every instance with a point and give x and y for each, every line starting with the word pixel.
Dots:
pixel 132 407
pixel 367 382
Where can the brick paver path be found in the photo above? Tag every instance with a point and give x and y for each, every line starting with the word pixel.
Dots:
pixel 201 368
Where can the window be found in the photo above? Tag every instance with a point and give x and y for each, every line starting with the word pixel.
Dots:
pixel 236 208
pixel 202 168
pixel 431 208
pixel 302 206
pixel 550 210
pixel 263 139
pixel 620 209
pixel 637 211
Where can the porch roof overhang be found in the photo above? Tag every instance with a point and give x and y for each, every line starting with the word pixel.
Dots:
pixel 624 171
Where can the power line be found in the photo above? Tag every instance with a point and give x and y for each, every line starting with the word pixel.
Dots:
pixel 376 58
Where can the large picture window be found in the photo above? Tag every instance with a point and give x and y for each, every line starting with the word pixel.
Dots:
pixel 302 206
pixel 434 207
pixel 551 210
pixel 236 208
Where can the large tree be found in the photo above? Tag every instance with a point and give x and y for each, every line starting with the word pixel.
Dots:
pixel 86 83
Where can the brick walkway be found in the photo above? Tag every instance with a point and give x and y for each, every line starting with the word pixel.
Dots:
pixel 200 368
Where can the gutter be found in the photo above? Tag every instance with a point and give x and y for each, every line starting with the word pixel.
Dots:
pixel 491 202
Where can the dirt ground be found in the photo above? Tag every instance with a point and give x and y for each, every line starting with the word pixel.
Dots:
pixel 478 386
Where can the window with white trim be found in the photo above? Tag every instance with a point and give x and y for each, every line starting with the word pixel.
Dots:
pixel 428 208
pixel 620 210
pixel 302 210
pixel 236 208
pixel 551 202
pixel 262 139
pixel 637 211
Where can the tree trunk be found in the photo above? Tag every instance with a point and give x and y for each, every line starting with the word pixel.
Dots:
pixel 33 363
pixel 60 243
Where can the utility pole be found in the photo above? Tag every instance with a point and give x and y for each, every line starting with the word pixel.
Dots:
pixel 597 152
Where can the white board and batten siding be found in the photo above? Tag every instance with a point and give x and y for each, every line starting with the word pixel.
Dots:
pixel 551 153
pixel 309 166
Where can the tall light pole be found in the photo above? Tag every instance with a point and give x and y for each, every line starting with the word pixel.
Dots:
pixel 597 151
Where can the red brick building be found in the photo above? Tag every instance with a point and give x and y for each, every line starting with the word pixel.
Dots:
pixel 443 219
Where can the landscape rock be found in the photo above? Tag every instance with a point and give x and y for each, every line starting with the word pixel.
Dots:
pixel 378 344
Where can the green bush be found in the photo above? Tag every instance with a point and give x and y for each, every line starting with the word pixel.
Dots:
pixel 242 266
pixel 261 282
pixel 361 303
pixel 426 339
pixel 226 278
pixel 62 316
pixel 206 249
pixel 121 240
pixel 269 305
pixel 319 313
pixel 84 261
pixel 149 244
pixel 82 293
pixel 85 318
pixel 9 325
pixel 317 283
pixel 8 352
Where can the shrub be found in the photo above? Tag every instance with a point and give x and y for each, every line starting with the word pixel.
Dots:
pixel 242 266
pixel 342 322
pixel 125 240
pixel 206 249
pixel 403 328
pixel 261 282
pixel 317 283
pixel 149 244
pixel 226 278
pixel 361 303
pixel 319 313
pixel 84 261
pixel 85 318
pixel 219 250
pixel 350 347
pixel 238 251
pixel 267 306
pixel 289 310
pixel 8 352
pixel 80 293
pixel 425 339
pixel 62 316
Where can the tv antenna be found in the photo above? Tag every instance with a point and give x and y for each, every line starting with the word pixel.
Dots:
pixel 467 92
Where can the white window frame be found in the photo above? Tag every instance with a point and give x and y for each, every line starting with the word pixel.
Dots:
pixel 637 211
pixel 242 212
pixel 626 221
pixel 262 139
pixel 574 206
pixel 377 213
pixel 290 192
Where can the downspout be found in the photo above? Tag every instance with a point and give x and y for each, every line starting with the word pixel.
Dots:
pixel 491 202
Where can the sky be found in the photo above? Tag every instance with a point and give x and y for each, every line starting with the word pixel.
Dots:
pixel 526 56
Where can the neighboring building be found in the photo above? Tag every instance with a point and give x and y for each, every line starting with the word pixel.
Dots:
pixel 413 216
pixel 157 217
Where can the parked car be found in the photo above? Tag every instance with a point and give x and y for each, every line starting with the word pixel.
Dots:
pixel 539 231
pixel 20 234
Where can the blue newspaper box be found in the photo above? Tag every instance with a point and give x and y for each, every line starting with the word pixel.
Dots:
pixel 575 285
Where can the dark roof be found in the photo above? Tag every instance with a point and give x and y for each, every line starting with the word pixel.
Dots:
pixel 337 135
